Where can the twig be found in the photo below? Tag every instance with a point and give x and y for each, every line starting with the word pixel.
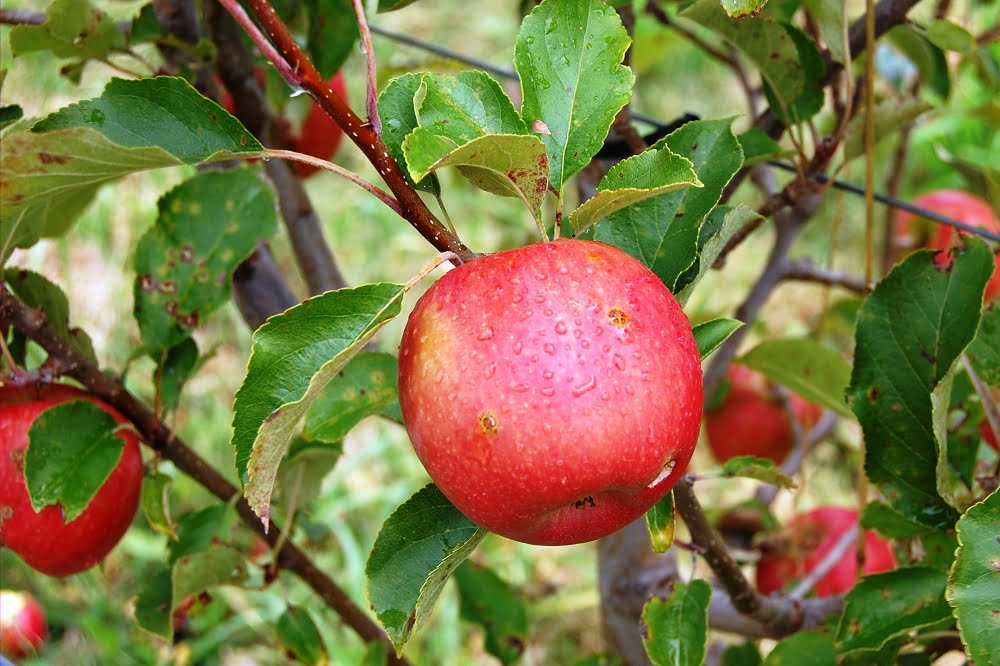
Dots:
pixel 159 437
pixel 806 271
pixel 307 78
pixel 371 96
pixel 830 560
pixel 21 17
pixel 793 462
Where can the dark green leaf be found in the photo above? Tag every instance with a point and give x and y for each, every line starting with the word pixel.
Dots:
pixel 974 582
pixel 300 638
pixel 910 331
pixel 304 468
pixel 333 33
pixel 890 523
pixel 184 264
pixel 761 469
pixel 399 118
pixel 810 100
pixel 830 18
pixel 173 371
pixel 890 116
pixel 155 502
pixel 709 335
pixel 487 600
pixel 806 648
pixel 72 28
pixel 199 529
pixel 391 5
pixel 36 291
pixel 928 58
pixel 568 56
pixel 72 448
pixel 759 147
pixel 663 232
pixel 883 606
pixel 153 605
pixel 721 225
pixel 816 372
pixel 416 551
pixel 145 26
pixel 743 8
pixel 364 387
pixel 676 629
pixel 950 36
pixel 10 113
pixel 660 522
pixel 293 357
pixel 640 177
pixel 746 654
pixel 984 352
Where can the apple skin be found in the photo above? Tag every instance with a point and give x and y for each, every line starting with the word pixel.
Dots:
pixel 552 392
pixel 42 539
pixel 320 135
pixel 752 421
pixel 813 535
pixel 986 432
pixel 911 232
pixel 22 624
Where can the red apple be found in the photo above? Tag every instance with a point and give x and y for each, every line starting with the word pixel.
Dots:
pixel 987 434
pixel 552 392
pixel 319 136
pixel 752 421
pixel 810 536
pixel 42 539
pixel 22 624
pixel 910 232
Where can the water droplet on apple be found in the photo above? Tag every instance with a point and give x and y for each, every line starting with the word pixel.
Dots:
pixel 485 333
pixel 518 346
pixel 490 369
pixel 548 391
pixel 618 361
pixel 549 348
pixel 585 344
pixel 587 385
pixel 519 388
pixel 563 270
pixel 561 328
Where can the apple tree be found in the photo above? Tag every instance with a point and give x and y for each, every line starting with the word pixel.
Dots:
pixel 638 219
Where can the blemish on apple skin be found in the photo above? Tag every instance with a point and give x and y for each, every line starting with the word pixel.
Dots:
pixel 586 503
pixel 618 317
pixel 488 423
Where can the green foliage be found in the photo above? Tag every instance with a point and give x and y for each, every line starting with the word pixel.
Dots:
pixel 365 386
pixel 711 334
pixel 805 648
pixel 420 545
pixel 487 600
pixel 676 628
pixel 298 634
pixel 807 367
pixel 72 449
pixel 761 469
pixel 660 521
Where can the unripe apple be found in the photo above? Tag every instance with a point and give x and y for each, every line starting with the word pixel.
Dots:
pixel 552 392
pixel 752 421
pixel 809 537
pixel 910 232
pixel 22 624
pixel 42 539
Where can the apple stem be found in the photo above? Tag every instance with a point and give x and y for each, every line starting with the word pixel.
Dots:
pixel 381 194
pixel 430 266
pixel 371 96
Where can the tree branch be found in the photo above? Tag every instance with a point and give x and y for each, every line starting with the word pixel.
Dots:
pixel 159 437
pixel 806 271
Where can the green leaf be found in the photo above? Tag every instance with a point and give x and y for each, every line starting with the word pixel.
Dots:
pixel 711 334
pixel 399 118
pixel 640 177
pixel 891 116
pixel 660 522
pixel 883 606
pixel 72 28
pixel 830 18
pixel 743 8
pixel 392 5
pixel 36 291
pixel 722 224
pixel 419 546
pixel 292 358
pixel 761 469
pixel 676 629
pixel 173 371
pixel 889 522
pixel 746 654
pixel 198 530
pixel 664 232
pixel 10 113
pixel 300 638
pixel 155 502
pixel 974 582
pixel 759 147
pixel 72 449
pixel 184 264
pixel 930 60
pixel 810 100
pixel 487 600
pixel 765 42
pixel 984 352
pixel 50 174
pixel 568 56
pixel 950 36
pixel 153 609
pixel 366 386
pixel 805 648
pixel 504 164
pixel 333 33
pixel 815 371
pixel 466 107
pixel 910 331
pixel 304 468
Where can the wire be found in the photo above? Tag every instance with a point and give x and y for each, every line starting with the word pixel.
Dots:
pixel 509 73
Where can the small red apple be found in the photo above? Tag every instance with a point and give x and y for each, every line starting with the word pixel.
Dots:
pixel 42 539
pixel 810 536
pixel 910 232
pixel 552 392
pixel 751 421
pixel 988 435
pixel 22 624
